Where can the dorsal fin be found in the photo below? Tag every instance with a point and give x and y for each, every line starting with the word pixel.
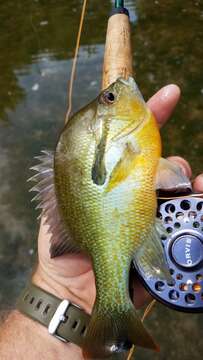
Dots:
pixel 61 240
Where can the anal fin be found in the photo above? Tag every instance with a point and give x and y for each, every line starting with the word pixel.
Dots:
pixel 61 241
pixel 151 258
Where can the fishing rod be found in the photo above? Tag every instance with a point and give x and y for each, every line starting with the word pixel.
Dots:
pixel 181 216
pixel 118 61
pixel 119 3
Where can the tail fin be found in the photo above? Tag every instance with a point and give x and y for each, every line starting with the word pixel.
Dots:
pixel 110 333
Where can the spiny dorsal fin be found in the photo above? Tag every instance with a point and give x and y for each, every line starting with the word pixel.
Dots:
pixel 61 241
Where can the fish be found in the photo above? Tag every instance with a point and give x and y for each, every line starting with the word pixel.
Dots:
pixel 97 192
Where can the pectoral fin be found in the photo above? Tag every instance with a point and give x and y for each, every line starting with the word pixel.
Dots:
pixel 61 240
pixel 124 166
pixel 150 258
pixel 170 177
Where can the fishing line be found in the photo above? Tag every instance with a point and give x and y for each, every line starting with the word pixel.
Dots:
pixel 148 309
pixel 35 31
pixel 146 313
pixel 72 77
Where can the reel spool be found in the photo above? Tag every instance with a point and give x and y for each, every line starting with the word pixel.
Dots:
pixel 182 218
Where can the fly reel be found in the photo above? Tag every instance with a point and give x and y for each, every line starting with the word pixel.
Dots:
pixel 182 218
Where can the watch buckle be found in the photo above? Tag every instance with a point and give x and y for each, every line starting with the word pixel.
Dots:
pixel 58 318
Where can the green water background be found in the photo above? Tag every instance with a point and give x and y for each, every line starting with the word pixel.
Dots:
pixel 37 40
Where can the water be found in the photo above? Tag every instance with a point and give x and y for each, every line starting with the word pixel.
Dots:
pixel 37 40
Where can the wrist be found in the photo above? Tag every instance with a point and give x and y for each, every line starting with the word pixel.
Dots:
pixel 51 285
pixel 68 276
pixel 55 286
pixel 61 318
pixel 20 336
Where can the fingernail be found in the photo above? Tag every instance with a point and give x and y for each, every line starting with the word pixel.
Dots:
pixel 169 90
pixel 183 164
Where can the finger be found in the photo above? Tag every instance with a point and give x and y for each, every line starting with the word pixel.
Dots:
pixel 184 165
pixel 198 184
pixel 164 102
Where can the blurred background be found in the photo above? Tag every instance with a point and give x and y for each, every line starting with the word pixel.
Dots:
pixel 37 40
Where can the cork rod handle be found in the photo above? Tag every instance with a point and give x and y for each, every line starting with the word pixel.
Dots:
pixel 118 52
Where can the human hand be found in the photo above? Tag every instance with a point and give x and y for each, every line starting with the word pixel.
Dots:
pixel 71 276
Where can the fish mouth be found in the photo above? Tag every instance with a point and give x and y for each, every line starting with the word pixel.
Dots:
pixel 130 82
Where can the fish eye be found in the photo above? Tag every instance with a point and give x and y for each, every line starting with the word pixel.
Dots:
pixel 107 98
